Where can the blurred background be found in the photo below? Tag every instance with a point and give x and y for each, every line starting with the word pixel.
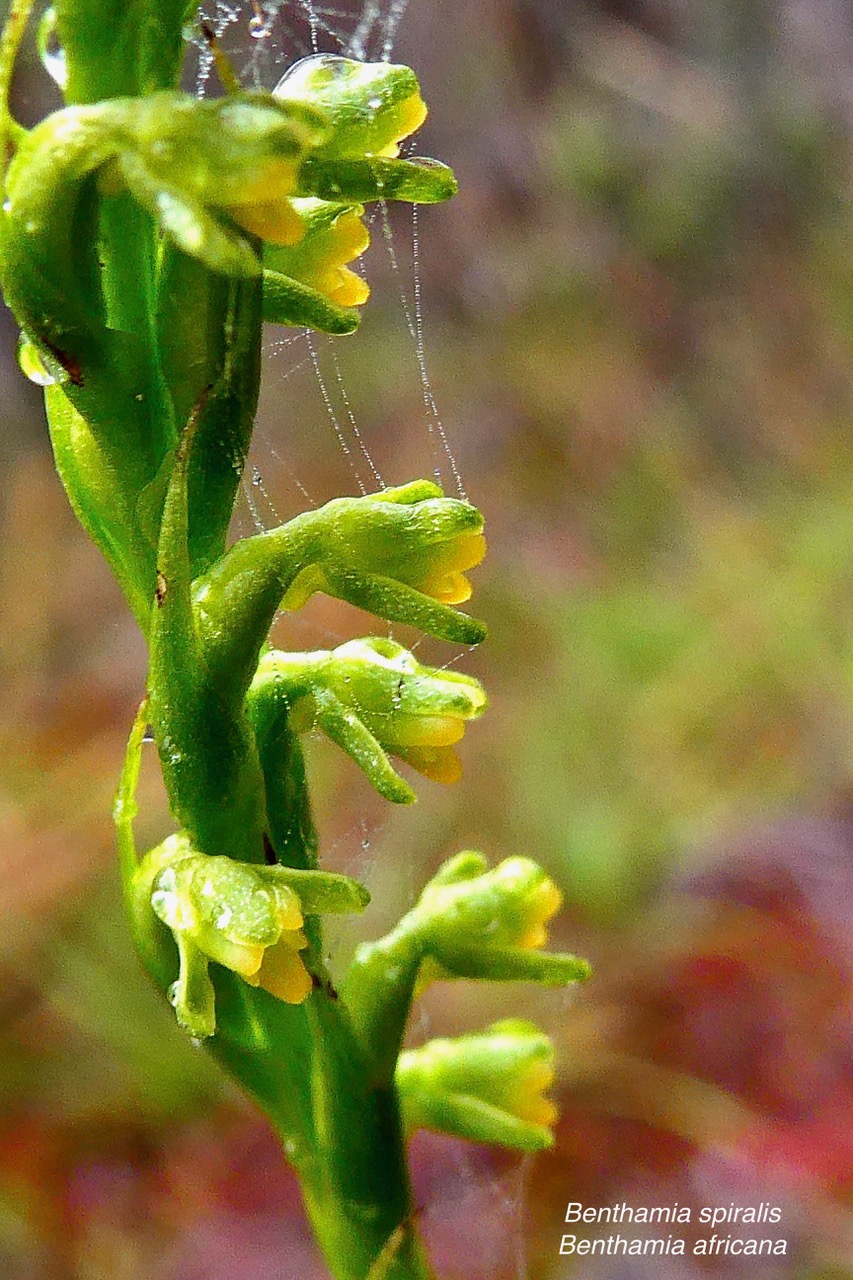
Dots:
pixel 636 321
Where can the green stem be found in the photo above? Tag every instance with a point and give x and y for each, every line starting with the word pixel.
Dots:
pixel 10 43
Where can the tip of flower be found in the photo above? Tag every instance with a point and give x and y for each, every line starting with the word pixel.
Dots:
pixel 409 116
pixel 348 290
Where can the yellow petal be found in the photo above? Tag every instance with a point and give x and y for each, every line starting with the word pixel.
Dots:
pixel 288 908
pixel 450 588
pixel 349 290
pixel 462 552
pixel 528 1101
pixel 410 115
pixel 284 975
pixel 439 764
pixel 273 220
pixel 539 1111
pixel 244 958
pixel 543 903
pixel 424 731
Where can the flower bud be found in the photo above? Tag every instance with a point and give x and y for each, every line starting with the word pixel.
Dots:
pixel 478 923
pixel 509 906
pixel 488 1087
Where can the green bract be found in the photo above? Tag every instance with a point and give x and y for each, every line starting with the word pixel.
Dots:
pixel 145 236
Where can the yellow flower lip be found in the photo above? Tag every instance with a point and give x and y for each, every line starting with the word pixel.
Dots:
pixel 544 903
pixel 282 971
pixel 325 238
pixel 344 287
pixel 528 1101
pixel 439 764
pixel 446 581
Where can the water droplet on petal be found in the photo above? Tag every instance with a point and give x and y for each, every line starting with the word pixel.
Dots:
pixel 51 51
pixel 31 363
pixel 300 77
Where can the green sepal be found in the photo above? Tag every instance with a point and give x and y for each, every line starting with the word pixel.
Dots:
pixel 478 1121
pixel 320 892
pixel 509 964
pixel 343 727
pixel 417 180
pixel 287 301
pixel 191 994
pixel 387 598
pixel 466 865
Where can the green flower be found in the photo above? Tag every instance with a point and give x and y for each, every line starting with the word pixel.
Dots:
pixel 244 917
pixel 411 535
pixel 372 698
pixel 488 1087
pixel 508 906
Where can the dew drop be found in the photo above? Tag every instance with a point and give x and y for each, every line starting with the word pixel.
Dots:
pixel 258 28
pixel 31 363
pixel 301 75
pixel 51 51
pixel 173 995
